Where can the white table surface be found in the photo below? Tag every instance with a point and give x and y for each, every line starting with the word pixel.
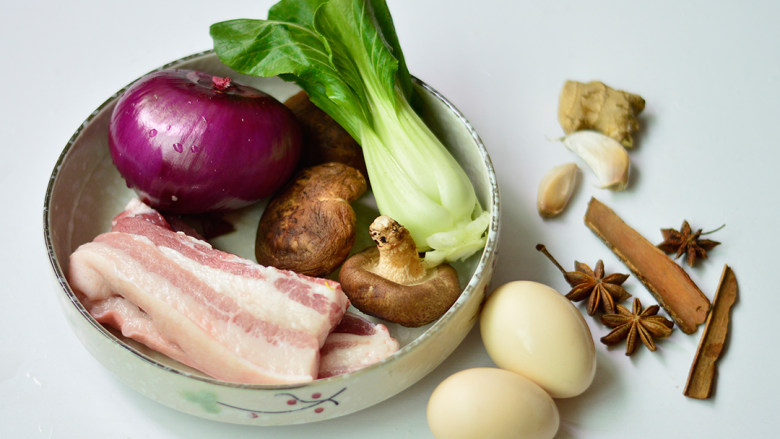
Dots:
pixel 709 71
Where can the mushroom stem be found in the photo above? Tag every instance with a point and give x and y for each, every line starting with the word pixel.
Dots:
pixel 391 282
pixel 398 258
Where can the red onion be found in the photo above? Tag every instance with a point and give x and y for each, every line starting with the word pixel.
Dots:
pixel 188 142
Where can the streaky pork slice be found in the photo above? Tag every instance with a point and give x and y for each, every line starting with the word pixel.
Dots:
pixel 354 344
pixel 224 315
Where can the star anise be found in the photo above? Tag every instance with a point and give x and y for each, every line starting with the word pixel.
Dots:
pixel 629 325
pixel 686 242
pixel 600 290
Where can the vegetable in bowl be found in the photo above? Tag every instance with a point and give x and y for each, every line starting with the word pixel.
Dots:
pixel 80 205
pixel 346 55
pixel 189 142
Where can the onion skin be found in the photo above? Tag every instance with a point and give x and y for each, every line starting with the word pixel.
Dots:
pixel 188 142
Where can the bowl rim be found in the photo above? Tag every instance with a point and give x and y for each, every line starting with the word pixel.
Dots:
pixel 487 257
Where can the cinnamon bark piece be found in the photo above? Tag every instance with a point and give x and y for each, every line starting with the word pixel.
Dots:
pixel 701 378
pixel 667 281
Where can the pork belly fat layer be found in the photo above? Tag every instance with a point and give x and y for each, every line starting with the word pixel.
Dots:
pixel 355 344
pixel 221 314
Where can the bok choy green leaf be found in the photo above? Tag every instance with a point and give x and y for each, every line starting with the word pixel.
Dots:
pixel 345 54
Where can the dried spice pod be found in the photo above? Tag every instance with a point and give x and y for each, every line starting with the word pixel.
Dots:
pixel 686 242
pixel 601 291
pixel 643 324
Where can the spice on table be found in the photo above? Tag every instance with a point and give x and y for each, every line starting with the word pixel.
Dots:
pixel 601 291
pixel 555 189
pixel 688 243
pixel 701 378
pixel 605 156
pixel 667 281
pixel 596 106
pixel 629 325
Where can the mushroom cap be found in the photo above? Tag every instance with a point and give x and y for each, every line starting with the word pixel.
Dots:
pixel 309 226
pixel 324 139
pixel 410 305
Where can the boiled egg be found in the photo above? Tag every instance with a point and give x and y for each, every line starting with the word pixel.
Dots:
pixel 531 329
pixel 491 403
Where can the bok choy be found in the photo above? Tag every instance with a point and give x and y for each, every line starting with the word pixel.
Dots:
pixel 346 55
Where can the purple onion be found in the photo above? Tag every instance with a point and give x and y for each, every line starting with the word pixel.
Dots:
pixel 189 142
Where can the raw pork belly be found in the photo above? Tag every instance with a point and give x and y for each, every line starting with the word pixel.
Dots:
pixel 227 316
pixel 355 344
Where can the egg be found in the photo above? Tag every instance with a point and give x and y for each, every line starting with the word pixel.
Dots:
pixel 531 329
pixel 491 403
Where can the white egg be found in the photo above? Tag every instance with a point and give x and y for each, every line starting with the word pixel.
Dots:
pixel 491 403
pixel 532 329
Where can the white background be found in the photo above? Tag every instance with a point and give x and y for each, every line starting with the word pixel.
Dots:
pixel 708 152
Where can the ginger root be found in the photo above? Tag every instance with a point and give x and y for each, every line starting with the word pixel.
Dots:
pixel 596 106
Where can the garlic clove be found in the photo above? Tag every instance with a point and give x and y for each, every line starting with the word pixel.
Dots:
pixel 556 189
pixel 605 156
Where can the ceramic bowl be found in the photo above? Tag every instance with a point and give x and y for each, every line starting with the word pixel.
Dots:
pixel 85 191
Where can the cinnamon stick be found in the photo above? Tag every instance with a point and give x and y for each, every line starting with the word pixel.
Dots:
pixel 667 281
pixel 701 378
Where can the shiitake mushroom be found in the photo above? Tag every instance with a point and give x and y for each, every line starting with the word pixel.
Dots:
pixel 309 227
pixel 390 280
